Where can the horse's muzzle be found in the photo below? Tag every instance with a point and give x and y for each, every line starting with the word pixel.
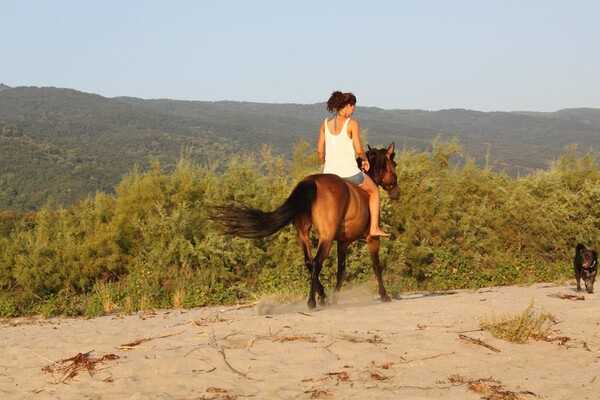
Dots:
pixel 394 192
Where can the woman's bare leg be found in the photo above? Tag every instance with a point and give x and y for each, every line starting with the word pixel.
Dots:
pixel 369 186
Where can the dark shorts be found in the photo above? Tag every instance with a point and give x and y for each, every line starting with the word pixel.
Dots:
pixel 357 179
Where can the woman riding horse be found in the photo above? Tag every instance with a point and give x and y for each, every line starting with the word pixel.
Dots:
pixel 337 209
pixel 339 141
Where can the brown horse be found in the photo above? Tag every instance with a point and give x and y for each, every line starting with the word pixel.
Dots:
pixel 337 210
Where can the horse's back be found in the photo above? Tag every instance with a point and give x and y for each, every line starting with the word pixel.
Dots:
pixel 340 210
pixel 330 187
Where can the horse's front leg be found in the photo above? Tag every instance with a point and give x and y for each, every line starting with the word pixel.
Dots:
pixel 373 243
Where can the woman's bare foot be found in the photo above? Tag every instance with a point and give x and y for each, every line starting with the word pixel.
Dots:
pixel 378 232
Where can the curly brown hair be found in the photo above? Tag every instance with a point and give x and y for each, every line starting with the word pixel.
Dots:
pixel 339 100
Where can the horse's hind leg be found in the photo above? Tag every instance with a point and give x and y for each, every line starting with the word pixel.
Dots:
pixel 373 243
pixel 303 230
pixel 342 251
pixel 315 285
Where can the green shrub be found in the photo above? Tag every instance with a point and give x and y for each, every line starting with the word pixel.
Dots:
pixel 522 327
pixel 152 245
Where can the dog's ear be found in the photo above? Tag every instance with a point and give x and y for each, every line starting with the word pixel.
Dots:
pixel 595 254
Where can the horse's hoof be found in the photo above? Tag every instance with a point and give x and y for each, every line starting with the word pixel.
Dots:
pixel 386 299
pixel 335 298
pixel 312 305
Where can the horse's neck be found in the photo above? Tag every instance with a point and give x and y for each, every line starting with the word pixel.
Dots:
pixel 375 176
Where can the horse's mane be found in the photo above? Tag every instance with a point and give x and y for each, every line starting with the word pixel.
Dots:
pixel 377 159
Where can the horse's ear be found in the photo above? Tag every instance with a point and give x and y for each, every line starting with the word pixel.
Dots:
pixel 368 147
pixel 391 149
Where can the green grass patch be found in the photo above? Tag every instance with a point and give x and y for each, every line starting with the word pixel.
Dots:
pixel 519 328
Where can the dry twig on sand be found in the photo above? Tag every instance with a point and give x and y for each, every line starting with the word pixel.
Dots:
pixel 376 339
pixel 294 338
pixel 212 318
pixel 492 389
pixel 135 344
pixel 477 341
pixel 70 367
pixel 567 296
pixel 215 345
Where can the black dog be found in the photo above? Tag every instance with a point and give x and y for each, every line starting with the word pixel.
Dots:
pixel 586 266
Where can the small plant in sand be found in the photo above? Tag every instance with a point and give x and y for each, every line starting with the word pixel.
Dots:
pixel 521 327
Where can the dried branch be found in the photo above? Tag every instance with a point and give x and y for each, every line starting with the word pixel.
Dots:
pixel 135 344
pixel 215 345
pixel 567 296
pixel 478 342
pixel 70 367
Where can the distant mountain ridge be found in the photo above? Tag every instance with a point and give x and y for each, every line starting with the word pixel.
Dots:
pixel 65 144
pixel 519 142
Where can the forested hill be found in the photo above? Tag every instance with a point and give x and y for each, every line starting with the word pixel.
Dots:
pixel 64 144
pixel 518 142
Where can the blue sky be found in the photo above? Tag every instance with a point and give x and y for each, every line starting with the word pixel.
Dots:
pixel 496 55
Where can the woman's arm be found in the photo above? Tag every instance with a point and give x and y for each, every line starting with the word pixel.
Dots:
pixel 353 131
pixel 321 144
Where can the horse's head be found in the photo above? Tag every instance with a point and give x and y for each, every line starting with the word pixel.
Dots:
pixel 383 169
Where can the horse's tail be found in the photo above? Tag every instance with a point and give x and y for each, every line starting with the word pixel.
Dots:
pixel 249 222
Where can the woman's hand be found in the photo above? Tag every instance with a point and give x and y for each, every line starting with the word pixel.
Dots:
pixel 365 165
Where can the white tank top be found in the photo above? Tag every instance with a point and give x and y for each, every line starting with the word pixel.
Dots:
pixel 340 158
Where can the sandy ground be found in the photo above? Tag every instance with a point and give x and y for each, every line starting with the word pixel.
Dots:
pixel 421 346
